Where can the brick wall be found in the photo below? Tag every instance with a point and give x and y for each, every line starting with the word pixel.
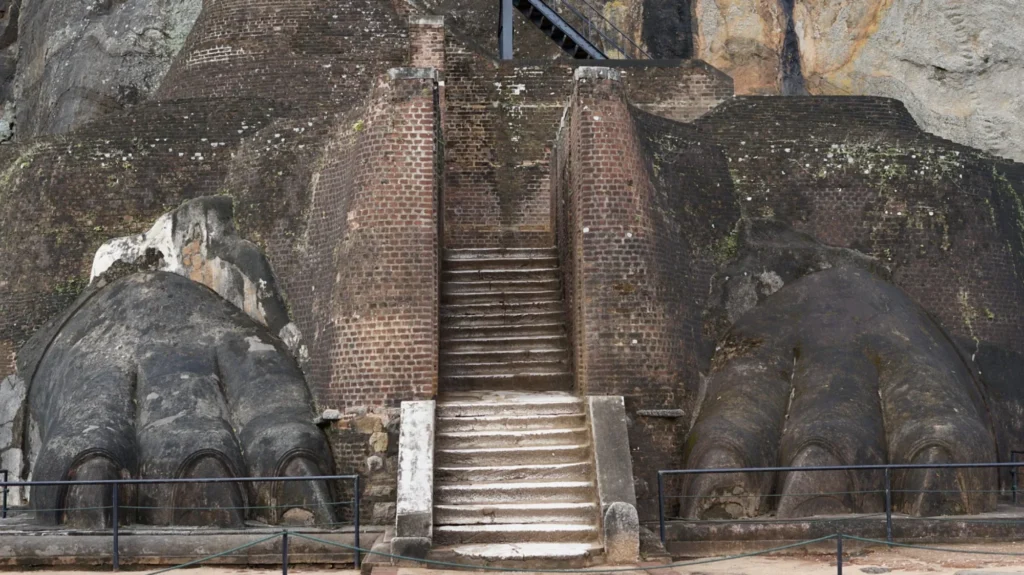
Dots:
pixel 681 90
pixel 374 211
pixel 500 124
pixel 635 275
pixel 319 53
pixel 857 172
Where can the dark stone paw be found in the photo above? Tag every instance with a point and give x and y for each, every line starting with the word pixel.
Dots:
pixel 156 376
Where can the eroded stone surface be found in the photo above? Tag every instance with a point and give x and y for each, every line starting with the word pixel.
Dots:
pixel 808 377
pixel 78 60
pixel 956 66
pixel 156 376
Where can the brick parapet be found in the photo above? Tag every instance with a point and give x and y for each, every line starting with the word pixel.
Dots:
pixel 376 325
pixel 625 315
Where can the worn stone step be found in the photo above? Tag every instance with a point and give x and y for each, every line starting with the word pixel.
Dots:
pixel 522 555
pixel 494 298
pixel 477 309
pixel 511 438
pixel 515 533
pixel 494 331
pixel 505 367
pixel 521 513
pixel 475 253
pixel 511 382
pixel 500 288
pixel 528 342
pixel 507 403
pixel 579 471
pixel 490 456
pixel 510 422
pixel 451 357
pixel 514 492
pixel 499 318
pixel 499 275
pixel 500 262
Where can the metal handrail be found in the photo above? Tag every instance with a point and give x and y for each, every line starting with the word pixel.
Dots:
pixel 614 27
pixel 887 468
pixel 115 485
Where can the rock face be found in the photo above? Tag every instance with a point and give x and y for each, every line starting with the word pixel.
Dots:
pixel 957 66
pixel 79 59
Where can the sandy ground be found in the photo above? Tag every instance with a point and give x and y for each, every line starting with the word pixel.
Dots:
pixel 897 561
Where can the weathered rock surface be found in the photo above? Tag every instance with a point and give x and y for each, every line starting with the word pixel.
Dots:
pixel 956 65
pixel 156 376
pixel 78 60
pixel 744 38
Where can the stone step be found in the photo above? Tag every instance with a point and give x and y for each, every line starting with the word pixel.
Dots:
pixel 525 342
pixel 507 403
pixel 474 253
pixel 501 318
pixel 500 288
pixel 580 471
pixel 511 438
pixel 522 555
pixel 506 367
pixel 510 422
pixel 493 331
pixel 510 382
pixel 492 261
pixel 502 299
pixel 452 357
pixel 500 275
pixel 477 309
pixel 491 456
pixel 515 533
pixel 521 513
pixel 514 492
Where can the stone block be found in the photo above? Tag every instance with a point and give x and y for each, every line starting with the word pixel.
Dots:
pixel 383 513
pixel 621 534
pixel 412 547
pixel 415 506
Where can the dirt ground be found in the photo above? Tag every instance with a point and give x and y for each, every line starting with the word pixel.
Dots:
pixel 896 561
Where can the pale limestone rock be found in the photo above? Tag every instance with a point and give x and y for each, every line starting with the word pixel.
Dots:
pixel 379 441
pixel 744 38
pixel 958 66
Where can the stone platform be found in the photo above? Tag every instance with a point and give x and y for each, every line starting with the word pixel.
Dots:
pixel 708 538
pixel 25 545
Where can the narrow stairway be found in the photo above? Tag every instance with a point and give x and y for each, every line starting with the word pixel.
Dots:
pixel 514 473
pixel 502 321
pixel 514 481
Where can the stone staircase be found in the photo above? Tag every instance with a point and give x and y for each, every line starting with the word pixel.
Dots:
pixel 502 321
pixel 514 480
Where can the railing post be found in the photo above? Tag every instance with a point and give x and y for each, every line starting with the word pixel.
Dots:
pixel 888 506
pixel 284 553
pixel 839 554
pixel 1013 488
pixel 505 30
pixel 661 507
pixel 355 507
pixel 3 514
pixel 115 521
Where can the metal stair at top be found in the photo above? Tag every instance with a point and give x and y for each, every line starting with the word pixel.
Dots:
pixel 580 29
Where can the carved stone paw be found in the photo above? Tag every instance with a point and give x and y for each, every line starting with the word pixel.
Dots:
pixel 156 376
pixel 839 368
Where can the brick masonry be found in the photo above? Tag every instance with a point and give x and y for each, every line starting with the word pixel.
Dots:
pixel 646 210
pixel 500 123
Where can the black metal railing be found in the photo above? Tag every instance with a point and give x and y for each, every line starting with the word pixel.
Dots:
pixel 886 490
pixel 4 491
pixel 591 22
pixel 116 486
